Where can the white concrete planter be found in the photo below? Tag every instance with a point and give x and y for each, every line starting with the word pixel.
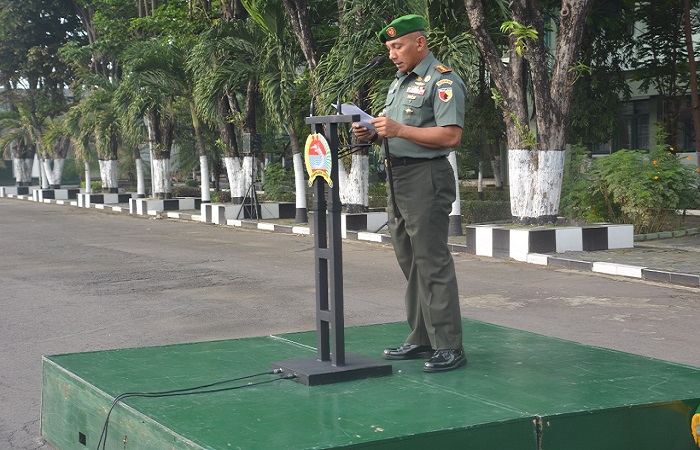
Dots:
pixel 40 195
pixel 370 221
pixel 357 222
pixel 220 213
pixel 146 206
pixel 517 243
pixel 14 191
pixel 89 200
pixel 272 210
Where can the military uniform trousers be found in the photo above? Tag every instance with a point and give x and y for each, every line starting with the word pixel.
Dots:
pixel 424 194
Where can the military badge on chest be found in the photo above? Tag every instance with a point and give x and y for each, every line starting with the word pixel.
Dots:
pixel 416 90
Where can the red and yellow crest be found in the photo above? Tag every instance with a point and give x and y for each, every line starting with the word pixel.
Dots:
pixel 317 154
pixel 445 94
pixel 391 31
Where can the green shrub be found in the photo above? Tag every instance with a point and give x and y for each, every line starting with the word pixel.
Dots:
pixel 631 186
pixel 488 194
pixel 580 199
pixel 279 183
pixel 221 197
pixel 186 191
pixel 377 195
pixel 191 183
pixel 483 211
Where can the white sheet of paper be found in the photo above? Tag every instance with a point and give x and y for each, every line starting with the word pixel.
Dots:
pixel 349 108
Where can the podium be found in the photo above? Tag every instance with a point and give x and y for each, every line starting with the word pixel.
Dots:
pixel 331 364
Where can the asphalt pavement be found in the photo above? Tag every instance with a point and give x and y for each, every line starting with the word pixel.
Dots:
pixel 76 279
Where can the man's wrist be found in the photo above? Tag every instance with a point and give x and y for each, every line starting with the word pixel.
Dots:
pixel 374 138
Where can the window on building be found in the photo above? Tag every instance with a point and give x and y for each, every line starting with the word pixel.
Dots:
pixel 685 138
pixel 634 133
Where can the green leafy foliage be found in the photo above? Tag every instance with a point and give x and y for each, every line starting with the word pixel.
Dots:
pixel 579 197
pixel 279 183
pixel 485 211
pixel 522 34
pixel 631 186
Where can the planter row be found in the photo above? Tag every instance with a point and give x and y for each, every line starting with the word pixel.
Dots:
pixel 517 243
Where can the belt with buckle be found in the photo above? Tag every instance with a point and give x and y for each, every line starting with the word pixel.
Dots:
pixel 406 161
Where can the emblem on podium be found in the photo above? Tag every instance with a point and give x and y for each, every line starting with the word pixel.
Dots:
pixel 317 154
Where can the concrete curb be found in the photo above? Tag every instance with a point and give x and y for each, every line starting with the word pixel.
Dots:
pixel 644 273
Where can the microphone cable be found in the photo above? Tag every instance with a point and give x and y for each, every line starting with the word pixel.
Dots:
pixel 102 442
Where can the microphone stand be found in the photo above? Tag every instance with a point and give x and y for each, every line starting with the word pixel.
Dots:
pixel 375 62
pixel 369 65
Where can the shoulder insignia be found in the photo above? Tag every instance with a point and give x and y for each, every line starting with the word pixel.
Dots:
pixel 442 68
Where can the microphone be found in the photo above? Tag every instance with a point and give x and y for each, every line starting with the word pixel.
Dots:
pixel 373 63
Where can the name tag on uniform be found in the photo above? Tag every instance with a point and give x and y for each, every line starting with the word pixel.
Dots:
pixel 393 87
pixel 416 90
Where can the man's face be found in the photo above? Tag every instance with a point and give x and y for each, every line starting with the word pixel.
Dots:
pixel 407 51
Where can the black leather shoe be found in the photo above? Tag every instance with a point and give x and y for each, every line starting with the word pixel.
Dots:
pixel 443 360
pixel 408 351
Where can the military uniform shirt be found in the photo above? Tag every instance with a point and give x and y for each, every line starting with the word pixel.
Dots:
pixel 431 95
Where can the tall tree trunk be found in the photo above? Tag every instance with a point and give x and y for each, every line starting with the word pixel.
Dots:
pixel 234 172
pixel 250 130
pixel 22 162
pixel 57 175
pixel 227 108
pixel 47 178
pixel 42 174
pixel 140 181
pixel 22 168
pixel 203 162
pixel 160 130
pixel 535 157
pixel 60 151
pixel 88 179
pixel 109 174
pixel 353 185
pixel 298 13
pixel 693 78
pixel 302 215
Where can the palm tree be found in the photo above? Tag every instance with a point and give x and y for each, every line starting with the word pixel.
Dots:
pixel 57 140
pixel 228 57
pixel 81 136
pixel 18 140
pixel 140 96
pixel 161 66
pixel 278 81
pixel 94 121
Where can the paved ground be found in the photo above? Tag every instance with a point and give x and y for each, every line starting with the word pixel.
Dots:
pixel 76 280
pixel 680 254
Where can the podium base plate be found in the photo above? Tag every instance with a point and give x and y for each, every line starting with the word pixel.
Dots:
pixel 314 372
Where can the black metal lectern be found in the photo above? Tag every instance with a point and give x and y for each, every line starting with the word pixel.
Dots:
pixel 331 363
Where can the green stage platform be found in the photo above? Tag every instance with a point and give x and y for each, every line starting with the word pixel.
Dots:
pixel 519 391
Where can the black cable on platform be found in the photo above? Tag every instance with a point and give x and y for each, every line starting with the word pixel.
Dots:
pixel 187 391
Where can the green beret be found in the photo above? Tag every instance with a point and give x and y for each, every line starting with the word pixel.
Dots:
pixel 402 25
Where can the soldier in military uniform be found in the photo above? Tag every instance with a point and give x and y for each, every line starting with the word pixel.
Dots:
pixel 421 124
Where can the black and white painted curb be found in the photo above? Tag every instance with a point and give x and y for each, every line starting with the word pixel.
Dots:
pixel 644 273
